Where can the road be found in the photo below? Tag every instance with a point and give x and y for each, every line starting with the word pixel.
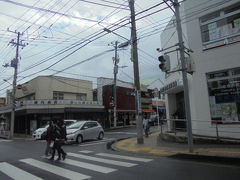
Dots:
pixel 23 160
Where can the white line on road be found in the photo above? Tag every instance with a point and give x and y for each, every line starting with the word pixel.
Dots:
pixel 92 144
pixel 107 161
pixel 120 133
pixel 85 151
pixel 124 157
pixel 16 173
pixel 55 169
pixel 5 140
pixel 92 167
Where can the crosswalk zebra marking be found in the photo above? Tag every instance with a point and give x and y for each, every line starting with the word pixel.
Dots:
pixel 16 173
pixel 86 151
pixel 92 167
pixel 5 140
pixel 55 169
pixel 107 161
pixel 124 157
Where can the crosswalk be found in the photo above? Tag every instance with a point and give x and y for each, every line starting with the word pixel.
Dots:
pixel 104 163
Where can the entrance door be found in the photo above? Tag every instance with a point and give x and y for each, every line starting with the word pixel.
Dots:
pixel 180 125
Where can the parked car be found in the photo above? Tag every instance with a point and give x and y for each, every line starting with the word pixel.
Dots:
pixel 40 133
pixel 84 130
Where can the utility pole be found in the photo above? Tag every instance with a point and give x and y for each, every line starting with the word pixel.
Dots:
pixel 14 64
pixel 136 75
pixel 184 76
pixel 115 71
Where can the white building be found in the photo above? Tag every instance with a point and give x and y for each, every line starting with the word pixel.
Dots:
pixel 212 30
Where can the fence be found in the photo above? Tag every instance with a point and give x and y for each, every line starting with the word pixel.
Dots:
pixel 211 129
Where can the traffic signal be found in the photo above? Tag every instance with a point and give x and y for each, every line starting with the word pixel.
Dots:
pixel 164 63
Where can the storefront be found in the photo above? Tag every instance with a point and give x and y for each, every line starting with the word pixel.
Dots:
pixel 224 96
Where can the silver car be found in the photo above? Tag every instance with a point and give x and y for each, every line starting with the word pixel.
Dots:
pixel 84 130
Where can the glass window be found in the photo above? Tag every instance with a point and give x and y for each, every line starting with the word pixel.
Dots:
pixel 81 97
pixel 224 30
pixel 58 96
pixel 224 98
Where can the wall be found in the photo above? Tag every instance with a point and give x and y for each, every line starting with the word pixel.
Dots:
pixel 44 86
pixel 220 58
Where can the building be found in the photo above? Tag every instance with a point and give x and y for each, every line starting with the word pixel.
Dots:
pixel 52 97
pixel 2 101
pixel 126 109
pixel 212 30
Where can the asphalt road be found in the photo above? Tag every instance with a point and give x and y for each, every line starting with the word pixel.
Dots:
pixel 22 159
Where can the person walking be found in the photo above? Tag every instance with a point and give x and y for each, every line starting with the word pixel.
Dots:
pixel 146 126
pixel 49 139
pixel 59 136
pixel 56 135
pixel 63 138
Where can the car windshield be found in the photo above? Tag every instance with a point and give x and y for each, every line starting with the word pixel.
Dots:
pixel 75 125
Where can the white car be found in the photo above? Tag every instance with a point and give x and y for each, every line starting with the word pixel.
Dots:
pixel 40 133
pixel 84 130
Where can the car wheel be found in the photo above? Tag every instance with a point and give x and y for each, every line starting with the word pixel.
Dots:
pixel 100 136
pixel 79 139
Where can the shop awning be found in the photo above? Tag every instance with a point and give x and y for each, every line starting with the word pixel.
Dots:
pixel 148 110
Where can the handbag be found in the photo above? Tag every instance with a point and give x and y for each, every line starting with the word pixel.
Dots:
pixel 51 144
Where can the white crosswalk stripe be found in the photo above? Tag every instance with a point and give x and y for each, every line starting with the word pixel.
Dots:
pixel 16 173
pixel 92 167
pixel 124 157
pixel 107 161
pixel 5 140
pixel 55 169
pixel 85 151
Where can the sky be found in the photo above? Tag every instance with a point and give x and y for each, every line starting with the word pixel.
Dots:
pixel 67 38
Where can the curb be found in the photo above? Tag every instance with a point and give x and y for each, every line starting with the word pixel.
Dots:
pixel 207 158
pixel 215 155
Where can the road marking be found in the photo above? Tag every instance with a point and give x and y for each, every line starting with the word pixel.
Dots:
pixel 55 169
pixel 16 173
pixel 5 140
pixel 124 157
pixel 91 144
pixel 120 133
pixel 107 161
pixel 92 167
pixel 85 151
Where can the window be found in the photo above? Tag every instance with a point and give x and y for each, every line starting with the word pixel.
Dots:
pixel 81 97
pixel 58 96
pixel 221 28
pixel 224 96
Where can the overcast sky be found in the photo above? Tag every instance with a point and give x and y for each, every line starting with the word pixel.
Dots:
pixel 68 36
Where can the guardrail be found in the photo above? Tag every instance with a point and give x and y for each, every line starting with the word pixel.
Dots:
pixel 214 129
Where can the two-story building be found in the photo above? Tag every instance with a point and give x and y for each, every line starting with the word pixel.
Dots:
pixel 126 109
pixel 212 30
pixel 52 97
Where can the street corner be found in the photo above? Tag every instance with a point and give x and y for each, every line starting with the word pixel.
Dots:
pixel 132 146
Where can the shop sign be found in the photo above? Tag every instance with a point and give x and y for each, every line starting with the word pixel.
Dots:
pixel 169 86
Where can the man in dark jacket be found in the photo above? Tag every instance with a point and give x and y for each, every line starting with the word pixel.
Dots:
pixel 59 135
pixel 49 139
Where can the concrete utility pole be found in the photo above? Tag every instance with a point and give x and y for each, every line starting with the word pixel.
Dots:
pixel 14 64
pixel 115 71
pixel 184 76
pixel 136 75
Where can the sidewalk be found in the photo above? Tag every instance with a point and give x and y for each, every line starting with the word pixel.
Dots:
pixel 156 146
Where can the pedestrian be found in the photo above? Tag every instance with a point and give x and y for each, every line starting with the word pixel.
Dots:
pixel 56 134
pixel 59 136
pixel 146 126
pixel 63 138
pixel 49 139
